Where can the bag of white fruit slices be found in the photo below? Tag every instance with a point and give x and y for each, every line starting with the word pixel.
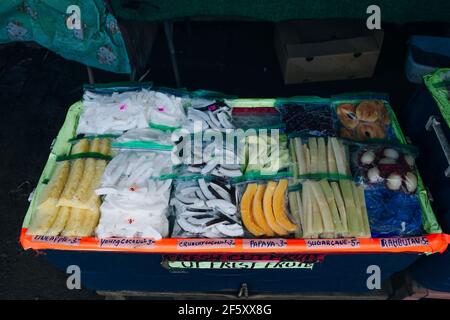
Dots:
pixel 129 213
pixel 264 206
pixel 212 153
pixel 329 209
pixel 319 158
pixel 166 108
pixel 69 205
pixel 113 110
pixel 391 165
pixel 207 110
pixel 135 195
pixel 135 172
pixel 205 207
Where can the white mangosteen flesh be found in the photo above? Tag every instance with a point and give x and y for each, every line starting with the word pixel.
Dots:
pixel 387 161
pixel 394 181
pixel 391 153
pixel 368 157
pixel 373 174
pixel 410 182
pixel 410 160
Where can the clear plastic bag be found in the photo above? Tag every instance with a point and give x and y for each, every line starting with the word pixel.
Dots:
pixel 264 208
pixel 256 117
pixel 121 111
pixel 69 205
pixel 393 214
pixel 213 153
pixel 363 120
pixel 319 158
pixel 204 114
pixel 165 111
pixel 131 214
pixel 308 119
pixel 113 113
pixel 333 209
pixel 390 165
pixel 205 208
pixel 266 152
pixel 135 173
pixel 136 198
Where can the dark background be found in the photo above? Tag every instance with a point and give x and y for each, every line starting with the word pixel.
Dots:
pixel 37 87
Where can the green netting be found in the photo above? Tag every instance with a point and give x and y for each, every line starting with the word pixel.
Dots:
pixel 98 43
pixel 438 83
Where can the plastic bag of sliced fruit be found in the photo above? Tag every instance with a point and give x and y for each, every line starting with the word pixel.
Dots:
pixel 390 179
pixel 264 206
pixel 392 166
pixel 366 117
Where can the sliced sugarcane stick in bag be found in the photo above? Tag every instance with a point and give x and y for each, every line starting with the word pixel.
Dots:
pixel 312 144
pixel 329 229
pixel 353 218
pixel 359 211
pixel 341 206
pixel 331 159
pixel 322 166
pixel 328 192
pixel 365 230
pixel 295 207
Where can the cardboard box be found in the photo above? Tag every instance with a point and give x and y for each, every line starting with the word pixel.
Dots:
pixel 312 51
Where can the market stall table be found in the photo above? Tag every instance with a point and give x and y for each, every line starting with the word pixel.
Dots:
pixel 265 266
